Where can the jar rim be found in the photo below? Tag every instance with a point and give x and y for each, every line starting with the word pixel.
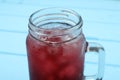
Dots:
pixel 79 23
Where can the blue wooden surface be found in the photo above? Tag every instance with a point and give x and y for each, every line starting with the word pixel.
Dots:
pixel 101 24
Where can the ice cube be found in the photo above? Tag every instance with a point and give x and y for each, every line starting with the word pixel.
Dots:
pixel 48 67
pixel 55 50
pixel 68 72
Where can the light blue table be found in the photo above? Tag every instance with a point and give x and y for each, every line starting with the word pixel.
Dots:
pixel 101 24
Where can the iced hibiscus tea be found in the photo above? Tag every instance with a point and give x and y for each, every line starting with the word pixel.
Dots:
pixel 56 61
pixel 56 46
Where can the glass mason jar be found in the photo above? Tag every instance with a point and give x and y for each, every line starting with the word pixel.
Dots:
pixel 56 46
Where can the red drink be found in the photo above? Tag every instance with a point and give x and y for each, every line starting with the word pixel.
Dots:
pixel 63 61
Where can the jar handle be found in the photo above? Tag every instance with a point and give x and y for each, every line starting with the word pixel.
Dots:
pixel 95 47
